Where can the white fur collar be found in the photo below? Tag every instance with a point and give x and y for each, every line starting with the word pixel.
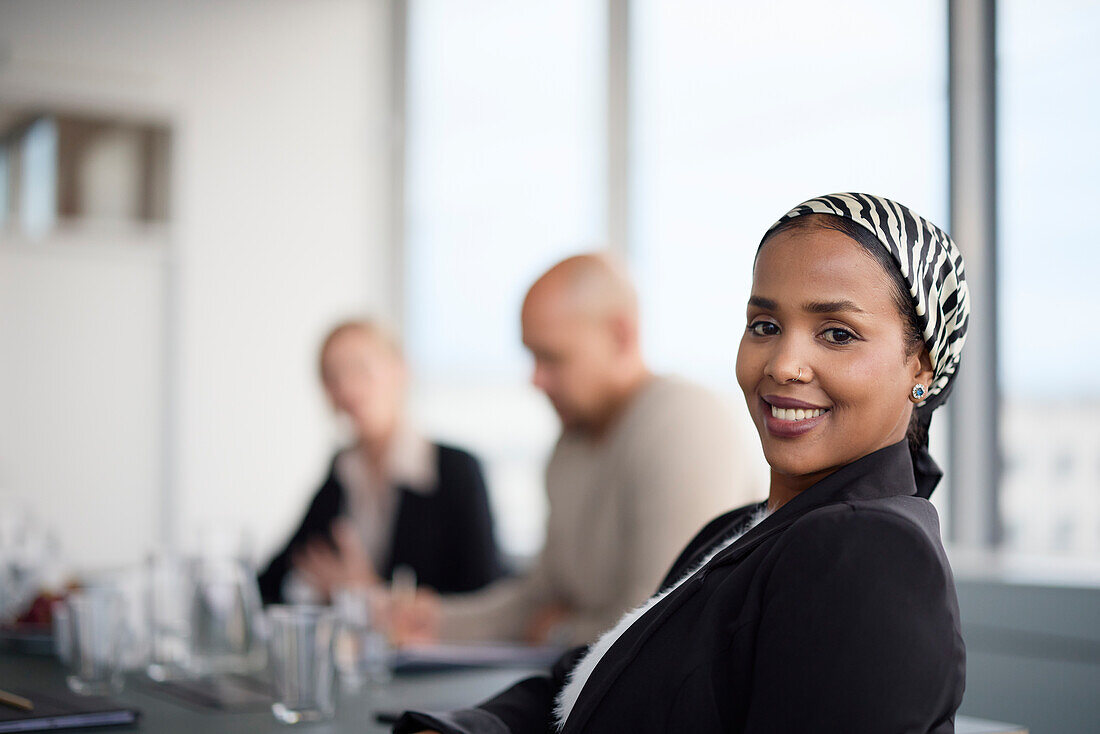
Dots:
pixel 569 694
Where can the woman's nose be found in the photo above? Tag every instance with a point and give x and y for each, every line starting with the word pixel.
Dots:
pixel 788 362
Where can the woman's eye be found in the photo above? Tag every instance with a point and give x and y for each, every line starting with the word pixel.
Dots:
pixel 763 328
pixel 838 336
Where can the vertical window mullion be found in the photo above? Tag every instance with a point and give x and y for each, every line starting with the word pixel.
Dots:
pixel 975 454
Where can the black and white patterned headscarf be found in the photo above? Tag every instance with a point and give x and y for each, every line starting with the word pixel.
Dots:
pixel 930 262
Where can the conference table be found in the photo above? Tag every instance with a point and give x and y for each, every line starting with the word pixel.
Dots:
pixel 355 712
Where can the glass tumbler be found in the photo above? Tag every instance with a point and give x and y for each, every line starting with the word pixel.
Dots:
pixel 93 622
pixel 301 662
pixel 224 620
pixel 362 651
pixel 166 616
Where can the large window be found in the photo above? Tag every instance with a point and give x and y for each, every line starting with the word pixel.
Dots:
pixel 505 175
pixel 734 113
pixel 1049 317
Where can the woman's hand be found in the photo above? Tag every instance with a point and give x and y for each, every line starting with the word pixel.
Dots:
pixel 414 619
pixel 326 569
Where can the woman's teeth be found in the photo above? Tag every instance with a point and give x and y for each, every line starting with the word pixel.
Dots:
pixel 792 414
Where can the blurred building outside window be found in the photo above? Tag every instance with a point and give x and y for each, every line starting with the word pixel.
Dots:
pixel 1048 66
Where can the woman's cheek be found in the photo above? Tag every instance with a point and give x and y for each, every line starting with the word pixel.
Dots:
pixel 860 371
pixel 746 366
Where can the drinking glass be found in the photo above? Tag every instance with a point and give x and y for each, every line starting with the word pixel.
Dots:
pixel 362 651
pixel 224 618
pixel 93 625
pixel 128 583
pixel 166 616
pixel 301 662
pixel 62 632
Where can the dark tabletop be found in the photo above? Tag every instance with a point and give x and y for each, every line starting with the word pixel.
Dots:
pixel 355 712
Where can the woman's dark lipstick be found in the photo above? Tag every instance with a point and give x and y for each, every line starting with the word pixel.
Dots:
pixel 783 428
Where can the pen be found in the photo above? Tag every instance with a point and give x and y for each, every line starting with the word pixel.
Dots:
pixel 15 701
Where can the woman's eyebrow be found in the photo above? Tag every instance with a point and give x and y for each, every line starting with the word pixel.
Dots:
pixel 830 307
pixel 765 303
pixel 812 307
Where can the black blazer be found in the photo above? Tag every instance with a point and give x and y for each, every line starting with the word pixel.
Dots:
pixel 445 536
pixel 835 614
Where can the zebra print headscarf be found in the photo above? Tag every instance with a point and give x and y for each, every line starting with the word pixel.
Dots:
pixel 930 262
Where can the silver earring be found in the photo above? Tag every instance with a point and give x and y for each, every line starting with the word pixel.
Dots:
pixel 918 393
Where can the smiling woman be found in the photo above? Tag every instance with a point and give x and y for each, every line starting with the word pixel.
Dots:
pixel 827 337
pixel 831 607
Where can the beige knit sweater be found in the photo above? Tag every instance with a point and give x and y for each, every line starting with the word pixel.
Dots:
pixel 621 509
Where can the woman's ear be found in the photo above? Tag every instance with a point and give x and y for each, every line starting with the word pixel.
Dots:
pixel 922 368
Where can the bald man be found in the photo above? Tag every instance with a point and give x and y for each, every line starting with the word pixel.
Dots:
pixel 643 462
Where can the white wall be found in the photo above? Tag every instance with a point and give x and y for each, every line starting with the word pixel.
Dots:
pixel 279 222
pixel 81 385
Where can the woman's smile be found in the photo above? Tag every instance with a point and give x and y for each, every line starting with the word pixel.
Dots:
pixel 790 418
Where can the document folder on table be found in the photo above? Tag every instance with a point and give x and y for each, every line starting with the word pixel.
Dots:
pixel 62 710
pixel 438 657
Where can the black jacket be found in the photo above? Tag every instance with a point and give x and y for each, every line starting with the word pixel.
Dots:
pixel 445 536
pixel 835 614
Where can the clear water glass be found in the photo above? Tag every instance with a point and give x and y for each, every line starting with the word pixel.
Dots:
pixel 301 662
pixel 224 618
pixel 92 644
pixel 362 650
pixel 62 632
pixel 166 616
